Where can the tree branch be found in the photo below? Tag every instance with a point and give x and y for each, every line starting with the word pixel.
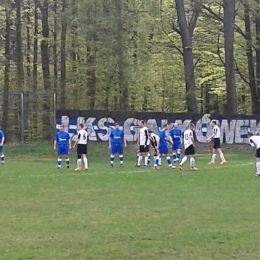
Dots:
pixel 240 73
pixel 194 18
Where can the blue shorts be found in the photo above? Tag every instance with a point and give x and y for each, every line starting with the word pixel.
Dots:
pixel 63 150
pixel 176 146
pixel 163 149
pixel 1 149
pixel 117 148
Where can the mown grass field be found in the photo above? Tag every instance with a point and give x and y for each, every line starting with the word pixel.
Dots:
pixel 127 213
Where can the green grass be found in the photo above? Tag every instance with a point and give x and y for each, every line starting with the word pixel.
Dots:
pixel 127 213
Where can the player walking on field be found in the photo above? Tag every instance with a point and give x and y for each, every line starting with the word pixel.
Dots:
pixel 216 146
pixel 82 148
pixel 2 139
pixel 115 144
pixel 175 135
pixel 188 140
pixel 64 144
pixel 254 141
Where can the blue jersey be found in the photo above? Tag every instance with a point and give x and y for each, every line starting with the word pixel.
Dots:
pixel 116 136
pixel 2 135
pixel 62 138
pixel 176 135
pixel 163 137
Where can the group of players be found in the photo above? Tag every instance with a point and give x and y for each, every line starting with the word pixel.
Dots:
pixel 146 140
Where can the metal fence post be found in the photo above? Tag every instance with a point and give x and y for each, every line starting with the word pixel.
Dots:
pixel 22 118
pixel 54 115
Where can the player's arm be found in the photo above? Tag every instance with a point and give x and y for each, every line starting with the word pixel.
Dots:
pixel 69 140
pixel 109 140
pixel 124 139
pixel 55 142
pixel 192 137
pixel 253 145
pixel 3 139
pixel 77 141
pixel 146 137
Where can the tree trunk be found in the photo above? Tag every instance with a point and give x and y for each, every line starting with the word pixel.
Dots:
pixel 229 26
pixel 186 37
pixel 55 56
pixel 63 56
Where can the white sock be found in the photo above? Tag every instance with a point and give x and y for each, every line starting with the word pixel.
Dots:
pixel 213 157
pixel 79 163
pixel 258 167
pixel 222 157
pixel 140 158
pixel 85 159
pixel 192 162
pixel 160 160
pixel 146 160
pixel 184 159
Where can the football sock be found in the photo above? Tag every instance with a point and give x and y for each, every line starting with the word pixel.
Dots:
pixel 213 158
pixel 59 162
pixel 139 160
pixel 222 157
pixel 85 160
pixel 68 162
pixel 121 158
pixel 192 162
pixel 160 161
pixel 174 156
pixel 2 158
pixel 258 167
pixel 149 159
pixel 146 160
pixel 112 158
pixel 79 163
pixel 168 158
pixel 156 161
pixel 184 159
pixel 178 156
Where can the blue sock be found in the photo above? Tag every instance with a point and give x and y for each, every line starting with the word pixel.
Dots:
pixel 68 162
pixel 2 158
pixel 112 158
pixel 149 159
pixel 174 156
pixel 156 161
pixel 59 162
pixel 178 156
pixel 169 160
pixel 121 158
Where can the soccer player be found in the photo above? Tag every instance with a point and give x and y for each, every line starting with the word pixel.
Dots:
pixel 216 146
pixel 254 141
pixel 2 139
pixel 175 135
pixel 163 148
pixel 154 141
pixel 143 141
pixel 189 148
pixel 115 144
pixel 64 144
pixel 82 148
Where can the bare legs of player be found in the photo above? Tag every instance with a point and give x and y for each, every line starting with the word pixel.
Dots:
pixel 257 174
pixel 221 155
pixel 192 162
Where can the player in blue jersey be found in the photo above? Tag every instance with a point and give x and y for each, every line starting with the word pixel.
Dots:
pixel 2 139
pixel 115 144
pixel 163 148
pixel 63 142
pixel 176 136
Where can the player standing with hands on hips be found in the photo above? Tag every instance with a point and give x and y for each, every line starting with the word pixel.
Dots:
pixel 216 146
pixel 82 148
pixel 64 144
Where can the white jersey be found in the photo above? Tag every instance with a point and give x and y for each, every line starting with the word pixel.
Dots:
pixel 254 141
pixel 188 138
pixel 155 140
pixel 143 136
pixel 216 132
pixel 82 136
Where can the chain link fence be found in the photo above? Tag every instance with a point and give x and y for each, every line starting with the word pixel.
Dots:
pixel 28 117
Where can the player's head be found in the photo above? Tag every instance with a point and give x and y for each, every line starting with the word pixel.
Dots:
pixel 149 132
pixel 175 125
pixel 62 128
pixel 249 134
pixel 116 126
pixel 142 123
pixel 80 126
pixel 192 126
pixel 166 127
pixel 213 123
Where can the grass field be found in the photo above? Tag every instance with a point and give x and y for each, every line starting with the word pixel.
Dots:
pixel 127 213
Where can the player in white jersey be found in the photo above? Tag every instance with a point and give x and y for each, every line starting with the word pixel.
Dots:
pixel 254 141
pixel 81 144
pixel 216 146
pixel 155 142
pixel 188 139
pixel 143 142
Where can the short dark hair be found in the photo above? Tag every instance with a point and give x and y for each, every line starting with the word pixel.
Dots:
pixel 165 125
pixel 81 125
pixel 150 131
pixel 61 125
pixel 116 124
pixel 191 124
pixel 214 122
pixel 143 122
pixel 250 134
